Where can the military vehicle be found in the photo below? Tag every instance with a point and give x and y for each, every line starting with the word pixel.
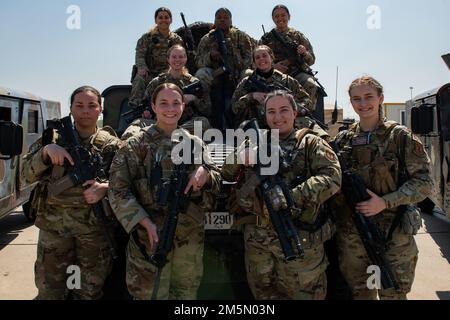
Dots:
pixel 116 96
pixel 23 118
pixel 224 272
pixel 428 117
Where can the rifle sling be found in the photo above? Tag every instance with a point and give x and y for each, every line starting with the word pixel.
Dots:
pixel 141 247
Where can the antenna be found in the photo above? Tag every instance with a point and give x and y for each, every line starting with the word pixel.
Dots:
pixel 334 116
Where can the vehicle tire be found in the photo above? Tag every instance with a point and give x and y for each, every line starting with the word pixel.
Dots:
pixel 426 206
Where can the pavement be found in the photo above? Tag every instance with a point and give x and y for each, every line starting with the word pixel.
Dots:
pixel 18 240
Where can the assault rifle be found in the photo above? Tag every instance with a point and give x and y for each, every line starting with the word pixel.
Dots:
pixel 191 47
pixel 291 48
pixel 372 237
pixel 171 194
pixel 226 69
pixel 189 38
pixel 256 85
pixel 195 88
pixel 87 166
pixel 281 220
pixel 223 87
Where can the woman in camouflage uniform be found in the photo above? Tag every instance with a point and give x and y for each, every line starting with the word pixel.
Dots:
pixel 139 177
pixel 151 50
pixel 248 98
pixel 284 60
pixel 395 170
pixel 70 234
pixel 313 175
pixel 197 107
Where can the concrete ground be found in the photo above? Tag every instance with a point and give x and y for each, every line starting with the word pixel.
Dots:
pixel 18 240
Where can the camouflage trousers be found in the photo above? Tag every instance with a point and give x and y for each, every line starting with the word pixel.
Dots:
pixel 55 253
pixel 353 261
pixel 139 85
pixel 308 83
pixel 270 277
pixel 181 276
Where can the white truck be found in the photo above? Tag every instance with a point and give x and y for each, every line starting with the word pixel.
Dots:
pixel 23 118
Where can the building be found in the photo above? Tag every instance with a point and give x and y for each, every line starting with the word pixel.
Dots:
pixel 395 112
pixel 333 128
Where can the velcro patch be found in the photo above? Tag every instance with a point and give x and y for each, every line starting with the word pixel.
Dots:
pixel 360 141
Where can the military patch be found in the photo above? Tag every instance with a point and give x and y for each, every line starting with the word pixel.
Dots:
pixel 360 141
pixel 418 148
pixel 330 155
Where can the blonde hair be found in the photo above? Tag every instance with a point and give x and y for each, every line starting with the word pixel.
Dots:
pixel 372 82
pixel 184 71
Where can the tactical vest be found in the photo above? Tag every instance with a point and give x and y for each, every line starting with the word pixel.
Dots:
pixel 311 234
pixel 378 164
pixel 323 228
pixel 98 144
pixel 156 55
pixel 154 170
pixel 155 167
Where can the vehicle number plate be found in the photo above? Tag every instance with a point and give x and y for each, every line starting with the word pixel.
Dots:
pixel 218 221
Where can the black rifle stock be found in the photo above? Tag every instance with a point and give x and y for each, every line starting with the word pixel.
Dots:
pixel 86 167
pixel 256 85
pixel 281 220
pixel 190 42
pixel 195 88
pixel 372 237
pixel 134 113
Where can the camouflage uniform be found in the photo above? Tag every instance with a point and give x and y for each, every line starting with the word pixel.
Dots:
pixel 245 107
pixel 268 275
pixel 378 162
pixel 307 122
pixel 133 198
pixel 69 232
pixel 306 80
pixel 239 48
pixel 136 126
pixel 197 110
pixel 151 56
